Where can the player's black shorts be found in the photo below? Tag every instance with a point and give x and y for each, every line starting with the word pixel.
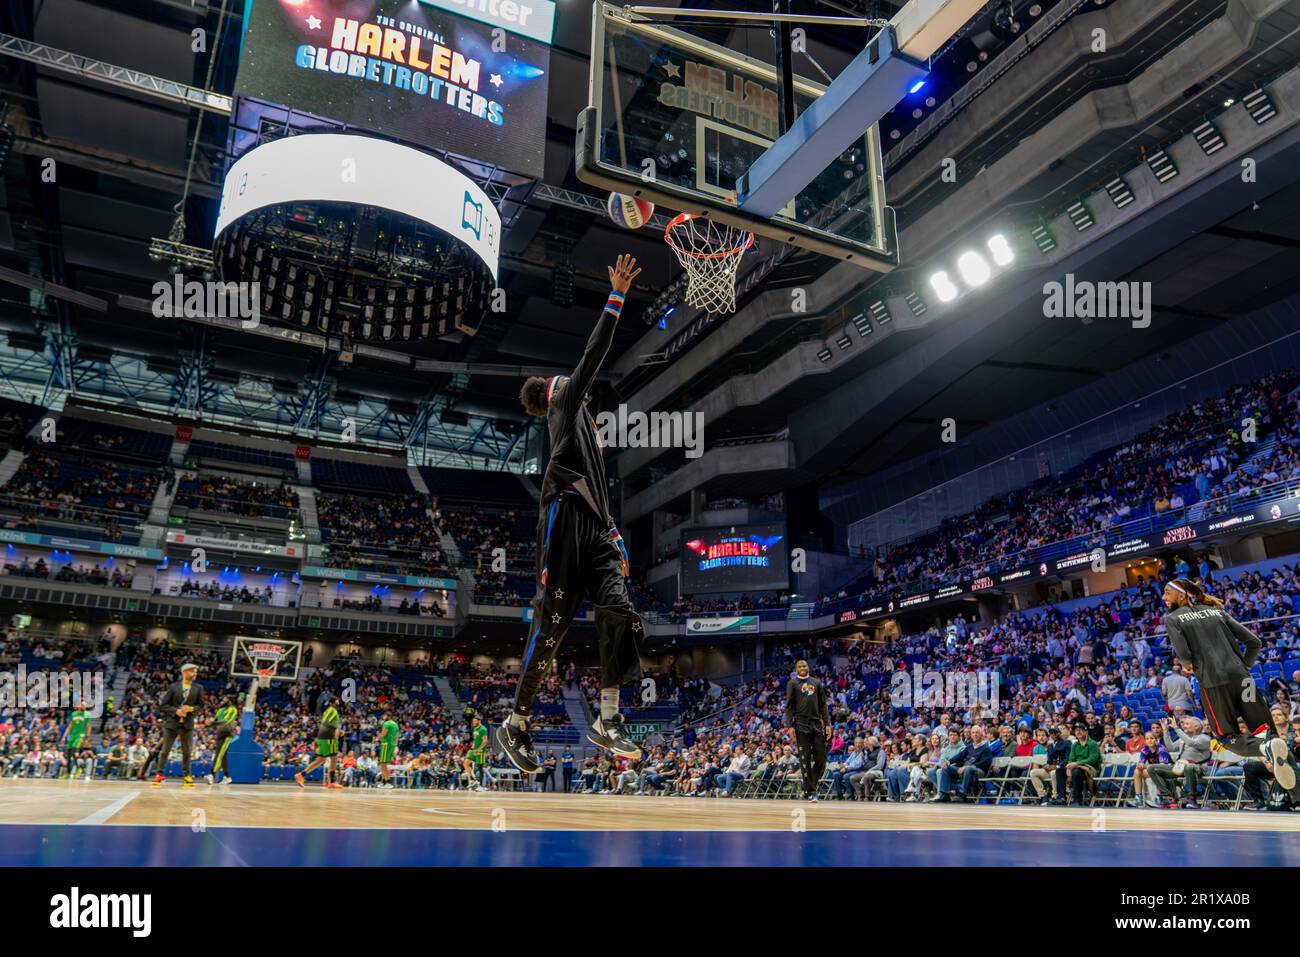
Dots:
pixel 1223 704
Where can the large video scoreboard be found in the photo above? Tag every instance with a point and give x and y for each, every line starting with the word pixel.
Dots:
pixel 466 76
pixel 736 558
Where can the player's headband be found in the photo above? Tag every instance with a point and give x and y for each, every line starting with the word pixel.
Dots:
pixel 1178 588
pixel 553 385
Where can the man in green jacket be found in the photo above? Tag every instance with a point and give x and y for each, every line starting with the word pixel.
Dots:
pixel 1084 763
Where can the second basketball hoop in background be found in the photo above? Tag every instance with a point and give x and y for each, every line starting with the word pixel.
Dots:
pixel 629 211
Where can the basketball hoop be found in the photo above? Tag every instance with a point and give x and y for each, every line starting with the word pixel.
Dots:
pixel 264 675
pixel 710 252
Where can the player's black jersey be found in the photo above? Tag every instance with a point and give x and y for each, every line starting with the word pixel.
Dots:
pixel 805 703
pixel 1210 640
pixel 577 462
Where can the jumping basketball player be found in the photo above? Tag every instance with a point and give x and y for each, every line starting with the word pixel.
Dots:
pixel 579 549
pixel 327 746
pixel 1208 641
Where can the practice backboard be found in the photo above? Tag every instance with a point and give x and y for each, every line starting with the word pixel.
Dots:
pixel 677 120
pixel 268 659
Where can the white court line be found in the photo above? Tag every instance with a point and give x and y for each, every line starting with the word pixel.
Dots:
pixel 434 810
pixel 107 811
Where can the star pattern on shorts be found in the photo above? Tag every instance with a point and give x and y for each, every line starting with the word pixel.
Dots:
pixel 559 593
pixel 636 625
pixel 555 619
pixel 550 642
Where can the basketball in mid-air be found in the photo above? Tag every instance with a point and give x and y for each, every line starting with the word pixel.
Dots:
pixel 629 211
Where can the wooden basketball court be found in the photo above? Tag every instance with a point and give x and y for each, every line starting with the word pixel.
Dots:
pixel 46 822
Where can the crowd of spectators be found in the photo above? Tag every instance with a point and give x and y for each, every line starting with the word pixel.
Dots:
pixel 1196 455
pixel 79 488
pixel 217 590
pixel 232 496
pixel 407 606
pixel 78 574
pixel 1061 677
pixel 391 533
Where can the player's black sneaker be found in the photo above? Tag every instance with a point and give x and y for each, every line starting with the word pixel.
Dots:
pixel 1242 745
pixel 611 736
pixel 517 743
pixel 1277 754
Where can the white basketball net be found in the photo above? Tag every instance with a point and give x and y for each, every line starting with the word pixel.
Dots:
pixel 710 252
pixel 266 669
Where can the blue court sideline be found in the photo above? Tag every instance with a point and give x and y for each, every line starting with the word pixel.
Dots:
pixel 40 845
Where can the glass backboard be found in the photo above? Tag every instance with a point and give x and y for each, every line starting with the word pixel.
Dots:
pixel 677 119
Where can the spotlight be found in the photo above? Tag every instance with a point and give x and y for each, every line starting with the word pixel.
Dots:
pixel 1208 138
pixel 1080 215
pixel 943 286
pixel 1260 107
pixel 1119 192
pixel 1043 239
pixel 1162 166
pixel 1001 250
pixel 974 268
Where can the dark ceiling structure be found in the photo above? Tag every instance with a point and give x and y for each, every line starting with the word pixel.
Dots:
pixel 97 169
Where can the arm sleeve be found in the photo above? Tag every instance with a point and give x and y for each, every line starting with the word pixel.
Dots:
pixel 789 703
pixel 597 346
pixel 1246 637
pixel 1178 641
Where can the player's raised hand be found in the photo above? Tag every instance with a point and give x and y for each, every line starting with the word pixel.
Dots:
pixel 622 273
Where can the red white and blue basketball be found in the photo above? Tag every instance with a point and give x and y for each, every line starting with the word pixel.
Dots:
pixel 629 211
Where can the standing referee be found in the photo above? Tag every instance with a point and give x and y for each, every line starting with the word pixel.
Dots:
pixel 809 720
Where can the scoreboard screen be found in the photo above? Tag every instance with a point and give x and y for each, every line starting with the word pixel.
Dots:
pixel 734 558
pixel 466 76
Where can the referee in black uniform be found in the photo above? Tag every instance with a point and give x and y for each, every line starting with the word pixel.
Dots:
pixel 809 719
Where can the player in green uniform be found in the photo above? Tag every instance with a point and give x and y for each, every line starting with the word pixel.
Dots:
pixel 226 724
pixel 476 757
pixel 387 748
pixel 327 745
pixel 73 735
